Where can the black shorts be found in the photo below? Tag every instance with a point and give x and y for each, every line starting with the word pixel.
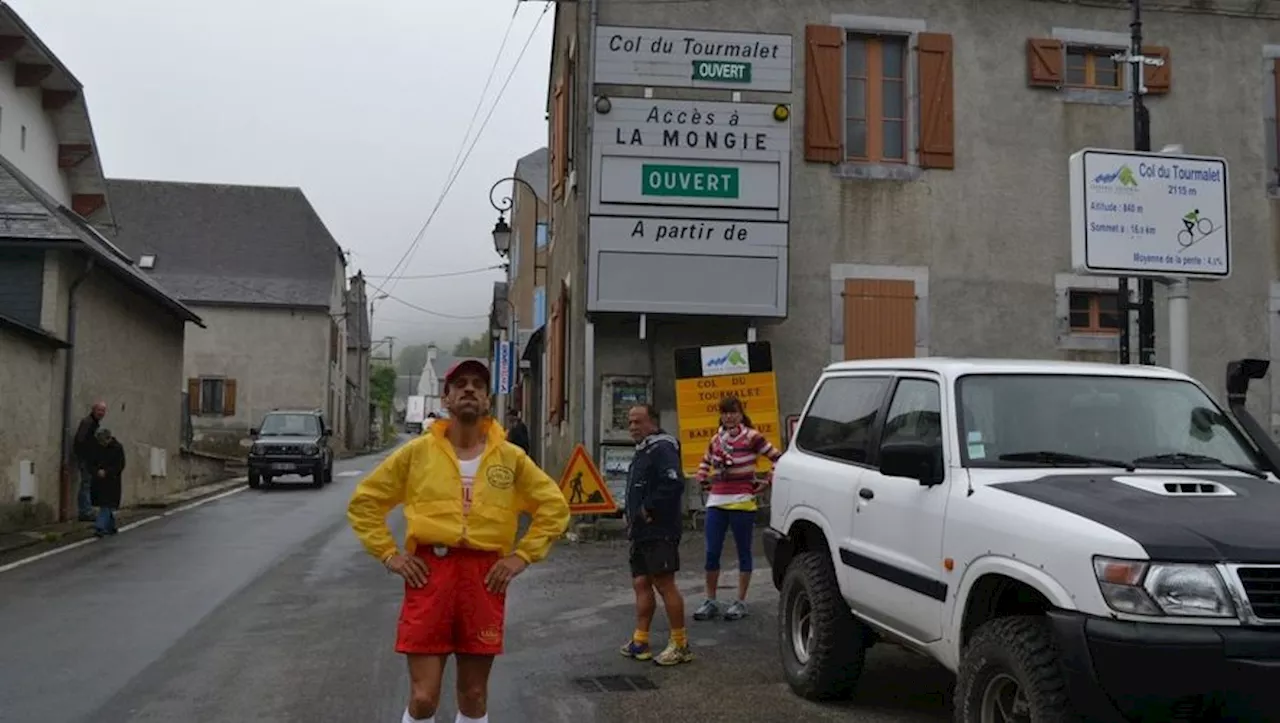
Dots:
pixel 654 557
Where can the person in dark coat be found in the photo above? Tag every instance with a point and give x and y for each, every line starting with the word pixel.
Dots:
pixel 655 487
pixel 108 471
pixel 517 432
pixel 83 449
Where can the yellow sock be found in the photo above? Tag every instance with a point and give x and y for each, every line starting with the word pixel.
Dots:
pixel 680 638
pixel 640 636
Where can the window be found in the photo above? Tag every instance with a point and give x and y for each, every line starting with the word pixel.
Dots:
pixel 540 235
pixel 539 306
pixel 291 425
pixel 1095 312
pixel 211 396
pixel 1107 417
pixel 147 261
pixel 840 420
pixel 1094 68
pixel 876 98
pixel 915 415
pixel 517 240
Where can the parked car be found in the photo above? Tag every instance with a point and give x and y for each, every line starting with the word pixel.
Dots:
pixel 1075 541
pixel 291 443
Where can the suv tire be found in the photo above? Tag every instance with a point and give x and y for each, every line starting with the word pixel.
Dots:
pixel 823 645
pixel 255 481
pixel 1007 658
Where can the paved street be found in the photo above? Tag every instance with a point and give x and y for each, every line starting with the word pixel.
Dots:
pixel 262 607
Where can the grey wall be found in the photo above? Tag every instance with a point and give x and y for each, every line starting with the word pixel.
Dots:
pixel 987 244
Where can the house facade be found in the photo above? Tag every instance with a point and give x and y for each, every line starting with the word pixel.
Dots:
pixel 74 308
pixel 269 280
pixel 899 186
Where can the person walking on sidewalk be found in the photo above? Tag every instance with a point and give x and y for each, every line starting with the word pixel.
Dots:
pixel 107 487
pixel 463 486
pixel 655 484
pixel 729 468
pixel 83 451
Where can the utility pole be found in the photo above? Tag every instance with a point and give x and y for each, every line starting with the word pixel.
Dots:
pixel 1141 142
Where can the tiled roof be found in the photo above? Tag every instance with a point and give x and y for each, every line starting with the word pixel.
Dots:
pixel 27 212
pixel 227 244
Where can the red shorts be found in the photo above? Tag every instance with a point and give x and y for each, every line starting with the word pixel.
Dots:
pixel 453 612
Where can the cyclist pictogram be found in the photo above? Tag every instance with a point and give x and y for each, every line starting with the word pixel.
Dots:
pixel 1195 228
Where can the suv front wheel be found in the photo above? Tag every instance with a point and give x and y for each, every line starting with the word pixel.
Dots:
pixel 1011 671
pixel 823 645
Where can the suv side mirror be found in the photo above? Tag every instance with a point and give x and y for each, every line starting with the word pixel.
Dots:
pixel 913 460
pixel 253 432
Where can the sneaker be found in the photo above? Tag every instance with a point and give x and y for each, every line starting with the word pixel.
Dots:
pixel 707 610
pixel 637 651
pixel 673 655
pixel 736 611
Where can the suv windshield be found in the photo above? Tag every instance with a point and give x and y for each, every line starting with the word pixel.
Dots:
pixel 1076 420
pixel 290 425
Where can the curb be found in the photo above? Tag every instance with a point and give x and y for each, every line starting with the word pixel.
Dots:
pixel 194 494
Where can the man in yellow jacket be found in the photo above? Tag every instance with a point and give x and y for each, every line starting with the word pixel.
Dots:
pixel 463 487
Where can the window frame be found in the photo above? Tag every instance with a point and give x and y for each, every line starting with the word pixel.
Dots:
pixel 937 382
pixel 877 425
pixel 205 409
pixel 873 40
pixel 1095 327
pixel 1092 54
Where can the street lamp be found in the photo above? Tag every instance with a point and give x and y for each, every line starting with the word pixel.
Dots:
pixel 501 229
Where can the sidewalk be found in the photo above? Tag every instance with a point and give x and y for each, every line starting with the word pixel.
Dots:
pixel 16 546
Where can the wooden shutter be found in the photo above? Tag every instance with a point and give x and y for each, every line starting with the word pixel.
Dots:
pixel 1046 62
pixel 559 128
pixel 879 319
pixel 228 397
pixel 193 395
pixel 1157 79
pixel 555 358
pixel 824 94
pixel 937 101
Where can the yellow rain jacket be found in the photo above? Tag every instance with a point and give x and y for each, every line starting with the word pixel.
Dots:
pixel 424 477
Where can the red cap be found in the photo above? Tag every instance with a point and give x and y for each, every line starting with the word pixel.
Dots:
pixel 475 366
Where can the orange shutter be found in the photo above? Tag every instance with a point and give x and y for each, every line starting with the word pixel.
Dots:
pixel 193 395
pixel 229 398
pixel 824 94
pixel 1158 79
pixel 559 120
pixel 937 102
pixel 1045 63
pixel 879 319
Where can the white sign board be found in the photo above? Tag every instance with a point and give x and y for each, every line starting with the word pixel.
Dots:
pixel 673 58
pixel 629 232
pixel 1149 214
pixel 679 158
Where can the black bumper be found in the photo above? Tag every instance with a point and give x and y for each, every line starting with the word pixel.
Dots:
pixel 778 550
pixel 1124 671
pixel 304 467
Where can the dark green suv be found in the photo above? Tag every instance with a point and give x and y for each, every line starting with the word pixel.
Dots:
pixel 291 442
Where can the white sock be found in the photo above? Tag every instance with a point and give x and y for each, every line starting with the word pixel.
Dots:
pixel 464 719
pixel 410 719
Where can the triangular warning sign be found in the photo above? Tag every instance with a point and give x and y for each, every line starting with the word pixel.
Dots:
pixel 583 487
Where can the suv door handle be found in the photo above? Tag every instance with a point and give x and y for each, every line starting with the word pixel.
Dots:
pixel 867 493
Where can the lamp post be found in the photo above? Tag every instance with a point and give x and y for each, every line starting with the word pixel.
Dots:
pixel 502 245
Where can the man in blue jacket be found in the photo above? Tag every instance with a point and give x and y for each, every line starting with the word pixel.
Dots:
pixel 655 487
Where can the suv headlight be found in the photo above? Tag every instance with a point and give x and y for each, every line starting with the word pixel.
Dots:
pixel 1159 588
pixel 311 450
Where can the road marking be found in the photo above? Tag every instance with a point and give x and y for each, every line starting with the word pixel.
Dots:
pixel 350 473
pixel 131 526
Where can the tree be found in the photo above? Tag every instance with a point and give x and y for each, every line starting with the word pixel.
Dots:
pixel 412 359
pixel 382 382
pixel 477 347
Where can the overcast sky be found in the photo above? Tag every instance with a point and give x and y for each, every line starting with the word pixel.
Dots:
pixel 361 103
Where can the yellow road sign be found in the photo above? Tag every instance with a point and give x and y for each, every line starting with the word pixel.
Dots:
pixel 698 408
pixel 583 487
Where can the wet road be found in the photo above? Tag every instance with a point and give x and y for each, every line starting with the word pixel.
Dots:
pixel 262 607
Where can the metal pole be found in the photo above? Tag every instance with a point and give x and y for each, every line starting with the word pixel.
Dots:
pixel 1142 142
pixel 1179 326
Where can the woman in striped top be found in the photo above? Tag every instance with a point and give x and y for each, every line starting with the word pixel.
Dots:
pixel 728 469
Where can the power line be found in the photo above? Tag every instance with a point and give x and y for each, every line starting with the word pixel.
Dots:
pixel 438 276
pixel 431 312
pixel 413 246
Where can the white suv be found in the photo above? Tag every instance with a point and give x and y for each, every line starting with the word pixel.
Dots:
pixel 1075 541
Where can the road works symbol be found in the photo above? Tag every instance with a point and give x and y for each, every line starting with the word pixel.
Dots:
pixel 583 487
